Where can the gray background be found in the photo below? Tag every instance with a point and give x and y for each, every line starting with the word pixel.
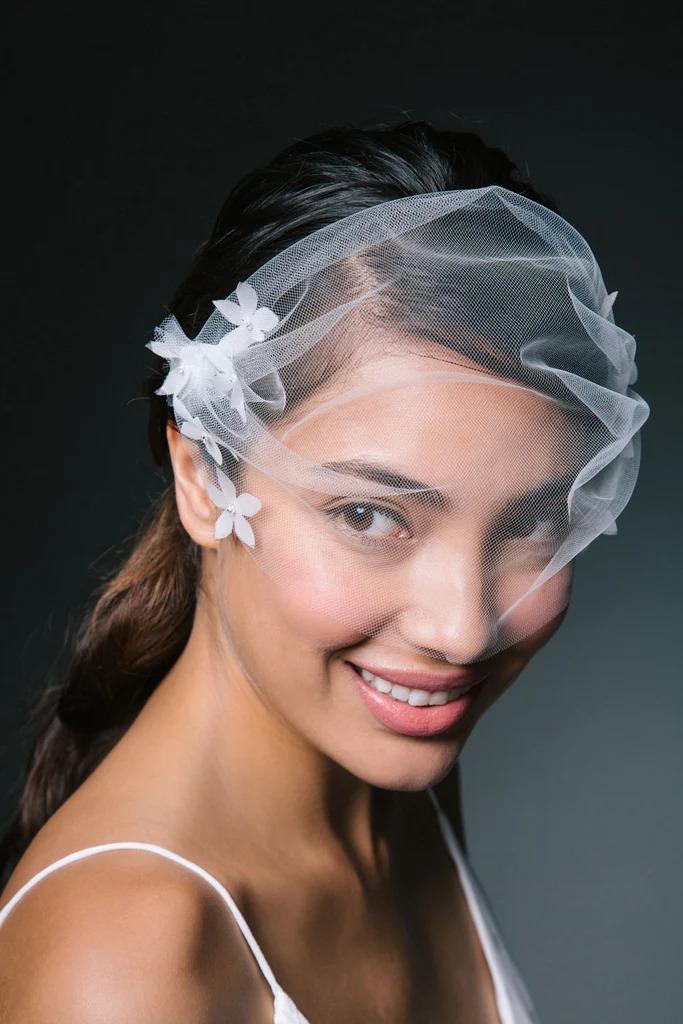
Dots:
pixel 124 135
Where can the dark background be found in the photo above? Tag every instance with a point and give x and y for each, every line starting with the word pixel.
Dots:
pixel 124 128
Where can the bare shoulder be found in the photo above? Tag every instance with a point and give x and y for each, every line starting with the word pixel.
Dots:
pixel 126 936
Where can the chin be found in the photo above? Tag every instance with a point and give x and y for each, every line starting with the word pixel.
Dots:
pixel 403 763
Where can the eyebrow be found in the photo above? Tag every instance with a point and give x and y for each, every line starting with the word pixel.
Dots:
pixel 392 478
pixel 434 498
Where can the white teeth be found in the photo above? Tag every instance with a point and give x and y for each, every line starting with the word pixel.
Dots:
pixel 380 684
pixel 400 692
pixel 415 697
pixel 459 690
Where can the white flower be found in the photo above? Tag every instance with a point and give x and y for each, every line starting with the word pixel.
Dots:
pixel 227 379
pixel 237 396
pixel 193 428
pixel 187 364
pixel 210 367
pixel 187 360
pixel 251 323
pixel 235 509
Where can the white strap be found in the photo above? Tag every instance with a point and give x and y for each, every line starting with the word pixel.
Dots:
pixel 285 1010
pixel 512 1000
pixel 163 852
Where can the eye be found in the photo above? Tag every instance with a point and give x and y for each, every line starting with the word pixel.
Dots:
pixel 549 524
pixel 372 522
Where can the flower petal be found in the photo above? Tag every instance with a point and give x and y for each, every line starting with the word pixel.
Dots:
pixel 247 504
pixel 175 381
pixel 244 530
pixel 237 400
pixel 226 485
pixel 235 341
pixel 265 319
pixel 162 348
pixel 219 358
pixel 191 429
pixel 217 497
pixel 247 298
pixel 230 310
pixel 223 526
pixel 180 410
pixel 212 448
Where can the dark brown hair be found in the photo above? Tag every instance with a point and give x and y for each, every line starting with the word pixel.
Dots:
pixel 142 617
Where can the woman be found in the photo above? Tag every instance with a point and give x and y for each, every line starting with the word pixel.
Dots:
pixel 389 444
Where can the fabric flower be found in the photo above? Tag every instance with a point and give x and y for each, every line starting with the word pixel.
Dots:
pixel 251 323
pixel 188 363
pixel 227 379
pixel 237 396
pixel 193 428
pixel 235 509
pixel 187 360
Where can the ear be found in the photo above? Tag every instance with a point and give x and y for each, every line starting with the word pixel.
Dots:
pixel 196 510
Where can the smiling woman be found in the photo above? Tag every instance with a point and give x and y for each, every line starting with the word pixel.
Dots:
pixel 397 407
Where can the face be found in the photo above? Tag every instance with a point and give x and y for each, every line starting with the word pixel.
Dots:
pixel 373 627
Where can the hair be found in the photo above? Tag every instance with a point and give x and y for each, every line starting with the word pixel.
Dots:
pixel 141 618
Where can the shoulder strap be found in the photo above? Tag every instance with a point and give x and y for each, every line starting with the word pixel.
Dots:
pixel 512 999
pixel 162 852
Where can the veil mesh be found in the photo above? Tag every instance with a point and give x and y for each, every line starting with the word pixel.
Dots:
pixel 417 417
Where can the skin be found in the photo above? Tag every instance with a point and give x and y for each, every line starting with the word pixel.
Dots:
pixel 255 757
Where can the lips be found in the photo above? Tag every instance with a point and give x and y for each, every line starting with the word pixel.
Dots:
pixel 400 715
pixel 420 680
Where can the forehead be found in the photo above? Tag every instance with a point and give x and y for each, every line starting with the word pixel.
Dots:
pixel 435 415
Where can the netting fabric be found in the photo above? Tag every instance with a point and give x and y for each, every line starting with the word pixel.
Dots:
pixel 425 410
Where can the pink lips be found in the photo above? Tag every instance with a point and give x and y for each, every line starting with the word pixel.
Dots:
pixel 407 719
pixel 429 681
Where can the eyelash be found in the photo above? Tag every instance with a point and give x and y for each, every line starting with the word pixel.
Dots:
pixel 341 510
pixel 557 518
pixel 558 523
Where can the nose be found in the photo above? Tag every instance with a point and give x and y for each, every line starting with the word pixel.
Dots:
pixel 449 609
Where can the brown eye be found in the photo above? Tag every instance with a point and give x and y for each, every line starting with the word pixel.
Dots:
pixel 360 517
pixel 371 521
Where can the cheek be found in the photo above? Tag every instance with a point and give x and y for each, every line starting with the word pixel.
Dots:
pixel 288 589
pixel 537 612
pixel 308 583
pixel 307 594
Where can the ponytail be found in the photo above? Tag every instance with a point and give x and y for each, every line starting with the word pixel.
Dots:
pixel 136 631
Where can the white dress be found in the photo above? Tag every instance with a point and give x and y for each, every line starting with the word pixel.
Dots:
pixel 512 1000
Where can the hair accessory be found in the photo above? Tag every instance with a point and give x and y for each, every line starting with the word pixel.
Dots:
pixel 252 323
pixel 192 427
pixel 236 507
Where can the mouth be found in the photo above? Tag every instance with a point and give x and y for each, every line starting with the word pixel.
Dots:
pixel 429 694
pixel 424 710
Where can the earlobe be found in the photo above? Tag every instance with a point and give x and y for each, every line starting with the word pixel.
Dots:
pixel 196 510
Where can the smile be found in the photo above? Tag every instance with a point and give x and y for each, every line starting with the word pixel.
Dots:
pixel 410 695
